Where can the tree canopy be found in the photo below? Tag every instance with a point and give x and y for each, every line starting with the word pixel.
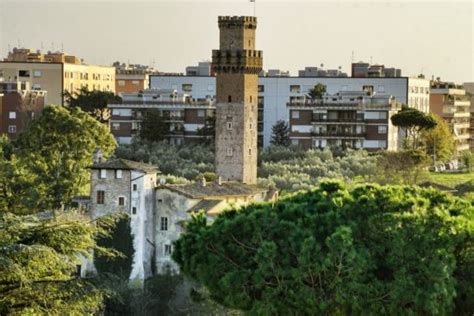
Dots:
pixel 52 155
pixel 208 131
pixel 438 141
pixel 413 121
pixel 93 102
pixel 337 251
pixel 38 264
pixel 153 127
pixel 280 134
pixel 317 92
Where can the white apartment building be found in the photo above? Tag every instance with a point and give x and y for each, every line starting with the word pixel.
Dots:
pixel 276 92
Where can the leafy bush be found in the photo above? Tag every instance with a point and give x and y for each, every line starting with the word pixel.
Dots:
pixel 336 251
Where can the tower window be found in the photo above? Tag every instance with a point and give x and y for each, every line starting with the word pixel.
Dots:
pixel 250 151
pixel 167 250
pixel 103 173
pixel 164 223
pixel 134 210
pixel 251 125
pixel 229 125
pixel 118 174
pixel 250 99
pixel 121 201
pixel 100 197
pixel 229 151
pixel 229 98
pixel 134 187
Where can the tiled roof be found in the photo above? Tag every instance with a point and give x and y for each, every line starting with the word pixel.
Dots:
pixel 197 190
pixel 124 164
pixel 205 205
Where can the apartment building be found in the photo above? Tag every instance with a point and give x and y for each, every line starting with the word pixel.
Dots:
pixel 275 92
pixel 469 86
pixel 365 70
pixel 56 73
pixel 202 69
pixel 347 119
pixel 131 78
pixel 18 106
pixel 450 102
pixel 183 114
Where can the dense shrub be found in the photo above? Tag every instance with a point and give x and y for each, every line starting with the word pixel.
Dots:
pixel 368 250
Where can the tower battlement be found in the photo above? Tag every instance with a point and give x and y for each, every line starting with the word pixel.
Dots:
pixel 237 22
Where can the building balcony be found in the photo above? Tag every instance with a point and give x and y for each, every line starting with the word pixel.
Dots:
pixel 338 120
pixel 339 134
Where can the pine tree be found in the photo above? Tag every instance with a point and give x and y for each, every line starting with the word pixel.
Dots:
pixel 280 134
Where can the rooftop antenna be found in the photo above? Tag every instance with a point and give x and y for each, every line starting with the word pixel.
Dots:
pixel 254 7
pixel 352 57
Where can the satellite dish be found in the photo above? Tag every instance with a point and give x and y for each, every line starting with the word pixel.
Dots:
pixel 162 181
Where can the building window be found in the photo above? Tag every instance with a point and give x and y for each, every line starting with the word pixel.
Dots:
pixel 250 151
pixel 121 201
pixel 36 86
pixel 134 210
pixel 201 113
pixel 103 173
pixel 368 89
pixel 229 151
pixel 261 88
pixel 229 98
pixel 12 115
pixel 12 129
pixel 250 126
pixel 186 87
pixel 295 88
pixel 251 99
pixel 115 126
pixel 24 73
pixel 295 114
pixel 100 197
pixel 134 187
pixel 164 224
pixel 121 83
pixel 118 174
pixel 229 125
pixel 382 129
pixel 167 250
pixel 37 73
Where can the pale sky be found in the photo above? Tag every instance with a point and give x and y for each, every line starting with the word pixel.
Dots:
pixel 435 38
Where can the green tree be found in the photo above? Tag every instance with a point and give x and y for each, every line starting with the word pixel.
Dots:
pixel 467 158
pixel 57 148
pixel 402 167
pixel 93 102
pixel 337 251
pixel 438 141
pixel 208 131
pixel 317 92
pixel 413 122
pixel 39 259
pixel 280 134
pixel 153 127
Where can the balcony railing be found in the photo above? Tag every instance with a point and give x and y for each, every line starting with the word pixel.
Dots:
pixel 337 120
pixel 338 134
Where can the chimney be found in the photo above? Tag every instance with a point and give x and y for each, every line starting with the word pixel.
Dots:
pixel 203 181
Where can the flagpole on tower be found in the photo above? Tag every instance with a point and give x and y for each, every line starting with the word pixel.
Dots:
pixel 254 8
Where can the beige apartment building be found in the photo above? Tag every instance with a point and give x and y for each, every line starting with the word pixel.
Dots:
pixel 56 73
pixel 452 104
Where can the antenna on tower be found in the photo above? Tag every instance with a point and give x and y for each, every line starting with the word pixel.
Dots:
pixel 352 57
pixel 254 7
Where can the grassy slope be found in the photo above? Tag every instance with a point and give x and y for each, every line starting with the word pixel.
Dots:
pixel 451 179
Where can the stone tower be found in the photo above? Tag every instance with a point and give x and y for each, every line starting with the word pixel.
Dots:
pixel 237 65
